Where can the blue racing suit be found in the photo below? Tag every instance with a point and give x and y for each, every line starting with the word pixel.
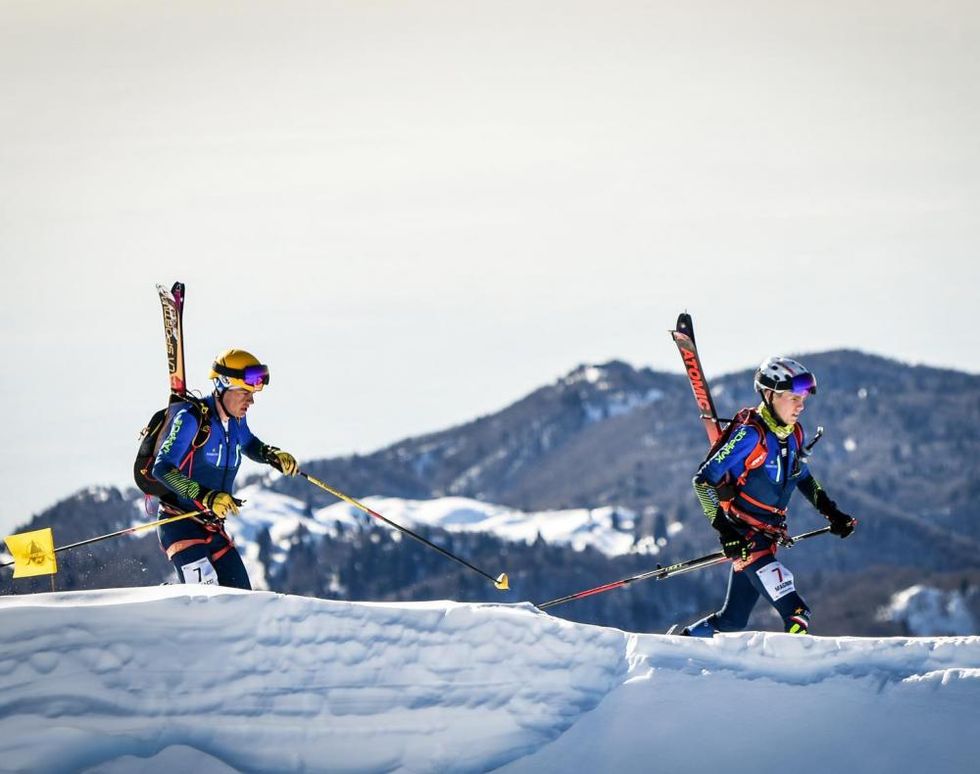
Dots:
pixel 201 550
pixel 749 481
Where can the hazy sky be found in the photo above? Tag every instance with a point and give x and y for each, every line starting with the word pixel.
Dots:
pixel 416 212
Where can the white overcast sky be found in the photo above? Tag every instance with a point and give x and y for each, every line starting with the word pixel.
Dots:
pixel 416 212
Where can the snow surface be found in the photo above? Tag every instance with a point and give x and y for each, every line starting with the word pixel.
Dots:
pixel 204 679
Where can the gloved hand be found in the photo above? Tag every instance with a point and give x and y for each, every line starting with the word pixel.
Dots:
pixel 841 524
pixel 280 460
pixel 733 545
pixel 221 504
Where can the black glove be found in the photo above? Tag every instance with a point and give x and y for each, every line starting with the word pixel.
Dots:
pixel 733 545
pixel 841 524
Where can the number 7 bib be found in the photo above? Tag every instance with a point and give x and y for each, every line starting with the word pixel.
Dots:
pixel 778 580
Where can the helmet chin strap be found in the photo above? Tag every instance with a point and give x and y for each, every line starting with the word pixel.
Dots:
pixel 220 395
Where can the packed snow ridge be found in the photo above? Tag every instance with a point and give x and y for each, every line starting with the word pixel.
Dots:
pixel 207 679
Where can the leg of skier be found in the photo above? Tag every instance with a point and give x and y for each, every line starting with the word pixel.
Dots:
pixel 197 564
pixel 774 581
pixel 734 614
pixel 231 570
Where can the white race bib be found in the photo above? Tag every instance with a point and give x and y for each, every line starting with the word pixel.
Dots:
pixel 201 571
pixel 777 580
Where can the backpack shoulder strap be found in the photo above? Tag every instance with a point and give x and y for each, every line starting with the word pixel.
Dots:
pixel 757 457
pixel 202 412
pixel 199 409
pixel 745 416
pixel 799 435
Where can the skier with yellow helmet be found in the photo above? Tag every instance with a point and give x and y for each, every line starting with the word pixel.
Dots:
pixel 197 462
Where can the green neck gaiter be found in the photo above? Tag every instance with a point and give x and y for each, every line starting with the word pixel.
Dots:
pixel 782 431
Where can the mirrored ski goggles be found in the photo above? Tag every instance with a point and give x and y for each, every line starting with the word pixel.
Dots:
pixel 802 384
pixel 253 375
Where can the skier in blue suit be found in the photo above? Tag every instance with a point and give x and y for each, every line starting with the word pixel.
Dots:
pixel 199 464
pixel 744 488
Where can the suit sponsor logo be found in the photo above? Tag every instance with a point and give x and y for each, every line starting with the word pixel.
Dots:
pixel 174 430
pixel 727 449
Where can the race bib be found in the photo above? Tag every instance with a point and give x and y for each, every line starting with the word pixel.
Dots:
pixel 201 571
pixel 777 580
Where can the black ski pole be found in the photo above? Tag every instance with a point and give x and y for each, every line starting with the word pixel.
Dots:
pixel 501 582
pixel 661 573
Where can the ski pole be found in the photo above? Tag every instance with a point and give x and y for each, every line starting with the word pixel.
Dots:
pixel 501 582
pixel 127 531
pixel 661 573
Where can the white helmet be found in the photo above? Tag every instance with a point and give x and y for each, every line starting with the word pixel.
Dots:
pixel 782 374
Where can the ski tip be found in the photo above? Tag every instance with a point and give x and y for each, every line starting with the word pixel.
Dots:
pixel 502 583
pixel 685 324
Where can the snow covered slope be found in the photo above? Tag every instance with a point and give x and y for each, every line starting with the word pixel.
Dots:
pixel 207 679
pixel 606 529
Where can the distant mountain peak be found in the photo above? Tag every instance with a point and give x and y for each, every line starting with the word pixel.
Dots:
pixel 590 374
pixel 602 375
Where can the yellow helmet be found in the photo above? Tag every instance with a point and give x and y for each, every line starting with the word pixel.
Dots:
pixel 238 369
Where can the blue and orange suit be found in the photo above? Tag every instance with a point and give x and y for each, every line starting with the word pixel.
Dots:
pixel 190 471
pixel 749 482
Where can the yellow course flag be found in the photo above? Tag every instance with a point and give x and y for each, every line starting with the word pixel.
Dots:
pixel 33 553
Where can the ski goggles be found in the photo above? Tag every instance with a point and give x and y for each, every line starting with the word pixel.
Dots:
pixel 253 375
pixel 801 384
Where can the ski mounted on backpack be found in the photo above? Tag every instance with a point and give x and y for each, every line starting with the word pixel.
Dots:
pixel 683 337
pixel 172 302
pixel 720 430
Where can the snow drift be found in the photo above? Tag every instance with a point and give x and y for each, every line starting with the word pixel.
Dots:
pixel 210 679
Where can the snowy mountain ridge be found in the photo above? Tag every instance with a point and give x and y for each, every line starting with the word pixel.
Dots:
pixel 211 679
pixel 607 530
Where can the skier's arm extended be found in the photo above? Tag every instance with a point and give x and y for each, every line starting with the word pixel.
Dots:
pixel 840 523
pixel 254 449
